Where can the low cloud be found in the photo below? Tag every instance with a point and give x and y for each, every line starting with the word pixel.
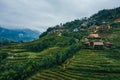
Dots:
pixel 41 14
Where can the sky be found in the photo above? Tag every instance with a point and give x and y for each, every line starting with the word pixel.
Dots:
pixel 41 14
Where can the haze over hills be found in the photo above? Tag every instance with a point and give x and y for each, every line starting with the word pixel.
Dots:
pixel 41 14
pixel 18 35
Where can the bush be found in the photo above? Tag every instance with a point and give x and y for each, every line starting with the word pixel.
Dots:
pixel 3 56
pixel 24 70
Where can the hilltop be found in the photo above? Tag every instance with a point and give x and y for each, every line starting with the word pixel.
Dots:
pixel 106 15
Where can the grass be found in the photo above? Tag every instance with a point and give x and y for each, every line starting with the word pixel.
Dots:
pixel 50 51
pixel 21 55
pixel 84 65
pixel 114 37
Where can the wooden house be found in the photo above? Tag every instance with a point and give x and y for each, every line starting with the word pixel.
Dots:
pixel 94 28
pixel 94 36
pixel 98 45
pixel 81 29
pixel 108 45
pixel 85 42
pixel 58 31
pixel 91 42
pixel 109 27
pixel 117 20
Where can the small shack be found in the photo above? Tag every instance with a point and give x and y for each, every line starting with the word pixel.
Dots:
pixel 98 45
pixel 94 36
pixel 86 42
pixel 117 20
pixel 91 42
pixel 94 27
pixel 108 45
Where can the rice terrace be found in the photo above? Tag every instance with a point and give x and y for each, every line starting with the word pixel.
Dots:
pixel 83 49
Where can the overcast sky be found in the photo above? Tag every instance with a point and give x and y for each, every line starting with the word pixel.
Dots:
pixel 41 14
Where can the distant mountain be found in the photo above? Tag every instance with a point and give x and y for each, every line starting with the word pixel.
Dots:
pixel 18 35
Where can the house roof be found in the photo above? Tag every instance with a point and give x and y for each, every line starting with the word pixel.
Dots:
pixel 117 20
pixel 86 42
pixel 98 43
pixel 109 27
pixel 94 35
pixel 108 43
pixel 94 27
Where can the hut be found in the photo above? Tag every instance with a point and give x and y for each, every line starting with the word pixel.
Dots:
pixel 98 45
pixel 86 42
pixel 94 28
pixel 117 20
pixel 94 36
pixel 109 27
pixel 108 45
pixel 91 42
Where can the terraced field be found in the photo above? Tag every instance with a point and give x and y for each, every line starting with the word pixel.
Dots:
pixel 20 56
pixel 84 65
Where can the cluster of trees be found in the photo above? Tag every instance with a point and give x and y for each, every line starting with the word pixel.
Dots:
pixel 4 42
pixel 115 25
pixel 3 55
pixel 76 35
pixel 73 24
pixel 107 15
pixel 22 71
pixel 50 41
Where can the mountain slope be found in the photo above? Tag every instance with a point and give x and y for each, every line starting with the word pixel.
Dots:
pixel 18 35
pixel 60 54
pixel 84 65
pixel 107 15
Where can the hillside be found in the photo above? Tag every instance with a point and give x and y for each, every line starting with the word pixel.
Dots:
pixel 84 65
pixel 106 15
pixel 77 50
pixel 88 64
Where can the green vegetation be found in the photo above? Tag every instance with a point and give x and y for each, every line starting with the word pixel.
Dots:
pixel 107 15
pixel 59 53
pixel 49 41
pixel 3 55
pixel 114 37
pixel 84 65
pixel 25 69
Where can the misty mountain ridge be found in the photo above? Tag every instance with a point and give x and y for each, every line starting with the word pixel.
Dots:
pixel 18 35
